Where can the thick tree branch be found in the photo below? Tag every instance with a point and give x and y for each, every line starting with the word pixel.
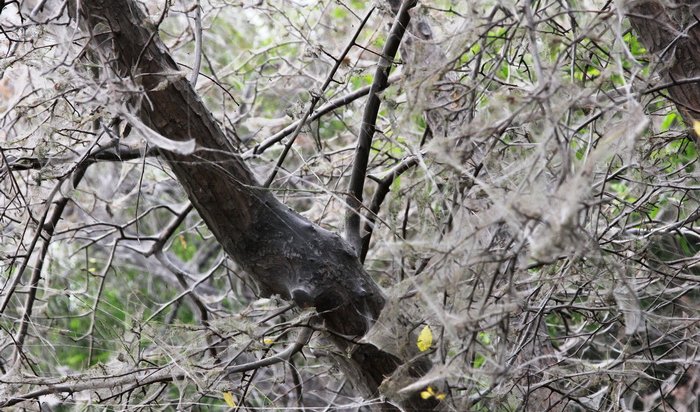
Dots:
pixel 369 123
pixel 285 254
pixel 107 154
pixel 673 36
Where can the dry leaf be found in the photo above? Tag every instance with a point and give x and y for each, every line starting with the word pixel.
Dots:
pixel 228 398
pixel 425 339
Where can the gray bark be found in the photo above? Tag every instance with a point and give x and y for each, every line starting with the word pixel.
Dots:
pixel 672 35
pixel 285 253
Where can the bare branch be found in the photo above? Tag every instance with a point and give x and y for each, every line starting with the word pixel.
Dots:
pixel 369 120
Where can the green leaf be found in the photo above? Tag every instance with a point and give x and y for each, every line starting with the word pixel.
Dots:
pixel 479 361
pixel 668 121
pixel 634 45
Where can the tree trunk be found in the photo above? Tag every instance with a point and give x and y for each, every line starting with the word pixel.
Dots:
pixel 285 253
pixel 672 35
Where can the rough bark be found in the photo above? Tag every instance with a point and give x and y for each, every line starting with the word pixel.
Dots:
pixel 671 33
pixel 285 253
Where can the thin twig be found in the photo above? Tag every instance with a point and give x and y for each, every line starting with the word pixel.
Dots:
pixel 197 44
pixel 179 273
pixel 302 339
pixel 49 228
pixel 166 373
pixel 169 230
pixel 323 110
pixel 383 187
pixel 78 171
pixel 316 96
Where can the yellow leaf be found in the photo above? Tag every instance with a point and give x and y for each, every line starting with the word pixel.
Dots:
pixel 183 242
pixel 696 127
pixel 268 341
pixel 425 339
pixel 429 392
pixel 228 398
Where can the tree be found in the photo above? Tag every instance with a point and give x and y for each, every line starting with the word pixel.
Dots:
pixel 529 241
